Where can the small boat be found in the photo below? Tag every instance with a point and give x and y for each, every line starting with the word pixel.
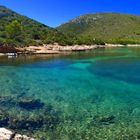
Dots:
pixel 12 54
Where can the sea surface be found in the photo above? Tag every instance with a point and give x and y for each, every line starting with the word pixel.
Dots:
pixel 82 96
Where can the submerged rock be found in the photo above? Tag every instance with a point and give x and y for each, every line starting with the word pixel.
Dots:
pixel 3 118
pixel 25 123
pixel 7 101
pixel 107 120
pixel 6 134
pixel 29 103
pixel 21 123
pixel 46 117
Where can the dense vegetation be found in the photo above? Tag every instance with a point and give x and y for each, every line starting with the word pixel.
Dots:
pixel 108 27
pixel 18 30
pixel 99 28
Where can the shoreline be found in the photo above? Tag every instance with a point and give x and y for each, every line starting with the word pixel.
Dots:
pixel 58 49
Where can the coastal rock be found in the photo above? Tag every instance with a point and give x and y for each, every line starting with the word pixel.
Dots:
pixel 6 134
pixel 29 103
pixel 58 49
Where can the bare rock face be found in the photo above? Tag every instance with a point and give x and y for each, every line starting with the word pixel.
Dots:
pixel 6 134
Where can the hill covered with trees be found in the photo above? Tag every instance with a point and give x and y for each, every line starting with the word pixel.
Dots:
pixel 96 28
pixel 18 30
pixel 104 27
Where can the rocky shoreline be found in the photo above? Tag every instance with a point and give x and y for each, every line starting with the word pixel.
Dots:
pixel 58 49
pixel 6 134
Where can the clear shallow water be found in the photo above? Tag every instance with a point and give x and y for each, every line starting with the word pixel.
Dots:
pixel 96 95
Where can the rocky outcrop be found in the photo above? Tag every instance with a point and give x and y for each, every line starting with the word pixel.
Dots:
pixel 6 134
pixel 29 103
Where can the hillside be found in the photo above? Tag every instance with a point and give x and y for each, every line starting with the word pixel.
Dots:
pixel 96 28
pixel 108 27
pixel 18 30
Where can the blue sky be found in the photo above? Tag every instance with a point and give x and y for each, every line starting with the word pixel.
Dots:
pixel 56 12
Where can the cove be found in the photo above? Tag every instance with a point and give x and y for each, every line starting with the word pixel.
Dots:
pixel 86 95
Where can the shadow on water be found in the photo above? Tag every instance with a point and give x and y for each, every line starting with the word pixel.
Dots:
pixel 126 69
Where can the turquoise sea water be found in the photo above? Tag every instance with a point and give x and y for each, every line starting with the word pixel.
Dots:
pixel 93 95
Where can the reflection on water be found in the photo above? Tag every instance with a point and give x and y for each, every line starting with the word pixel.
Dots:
pixel 92 95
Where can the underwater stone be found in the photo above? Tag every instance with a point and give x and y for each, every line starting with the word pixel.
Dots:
pixel 3 119
pixel 16 123
pixel 29 103
pixel 25 124
pixel 6 101
pixel 107 120
pixel 45 120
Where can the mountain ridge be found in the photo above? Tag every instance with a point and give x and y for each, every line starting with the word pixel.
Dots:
pixel 107 26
